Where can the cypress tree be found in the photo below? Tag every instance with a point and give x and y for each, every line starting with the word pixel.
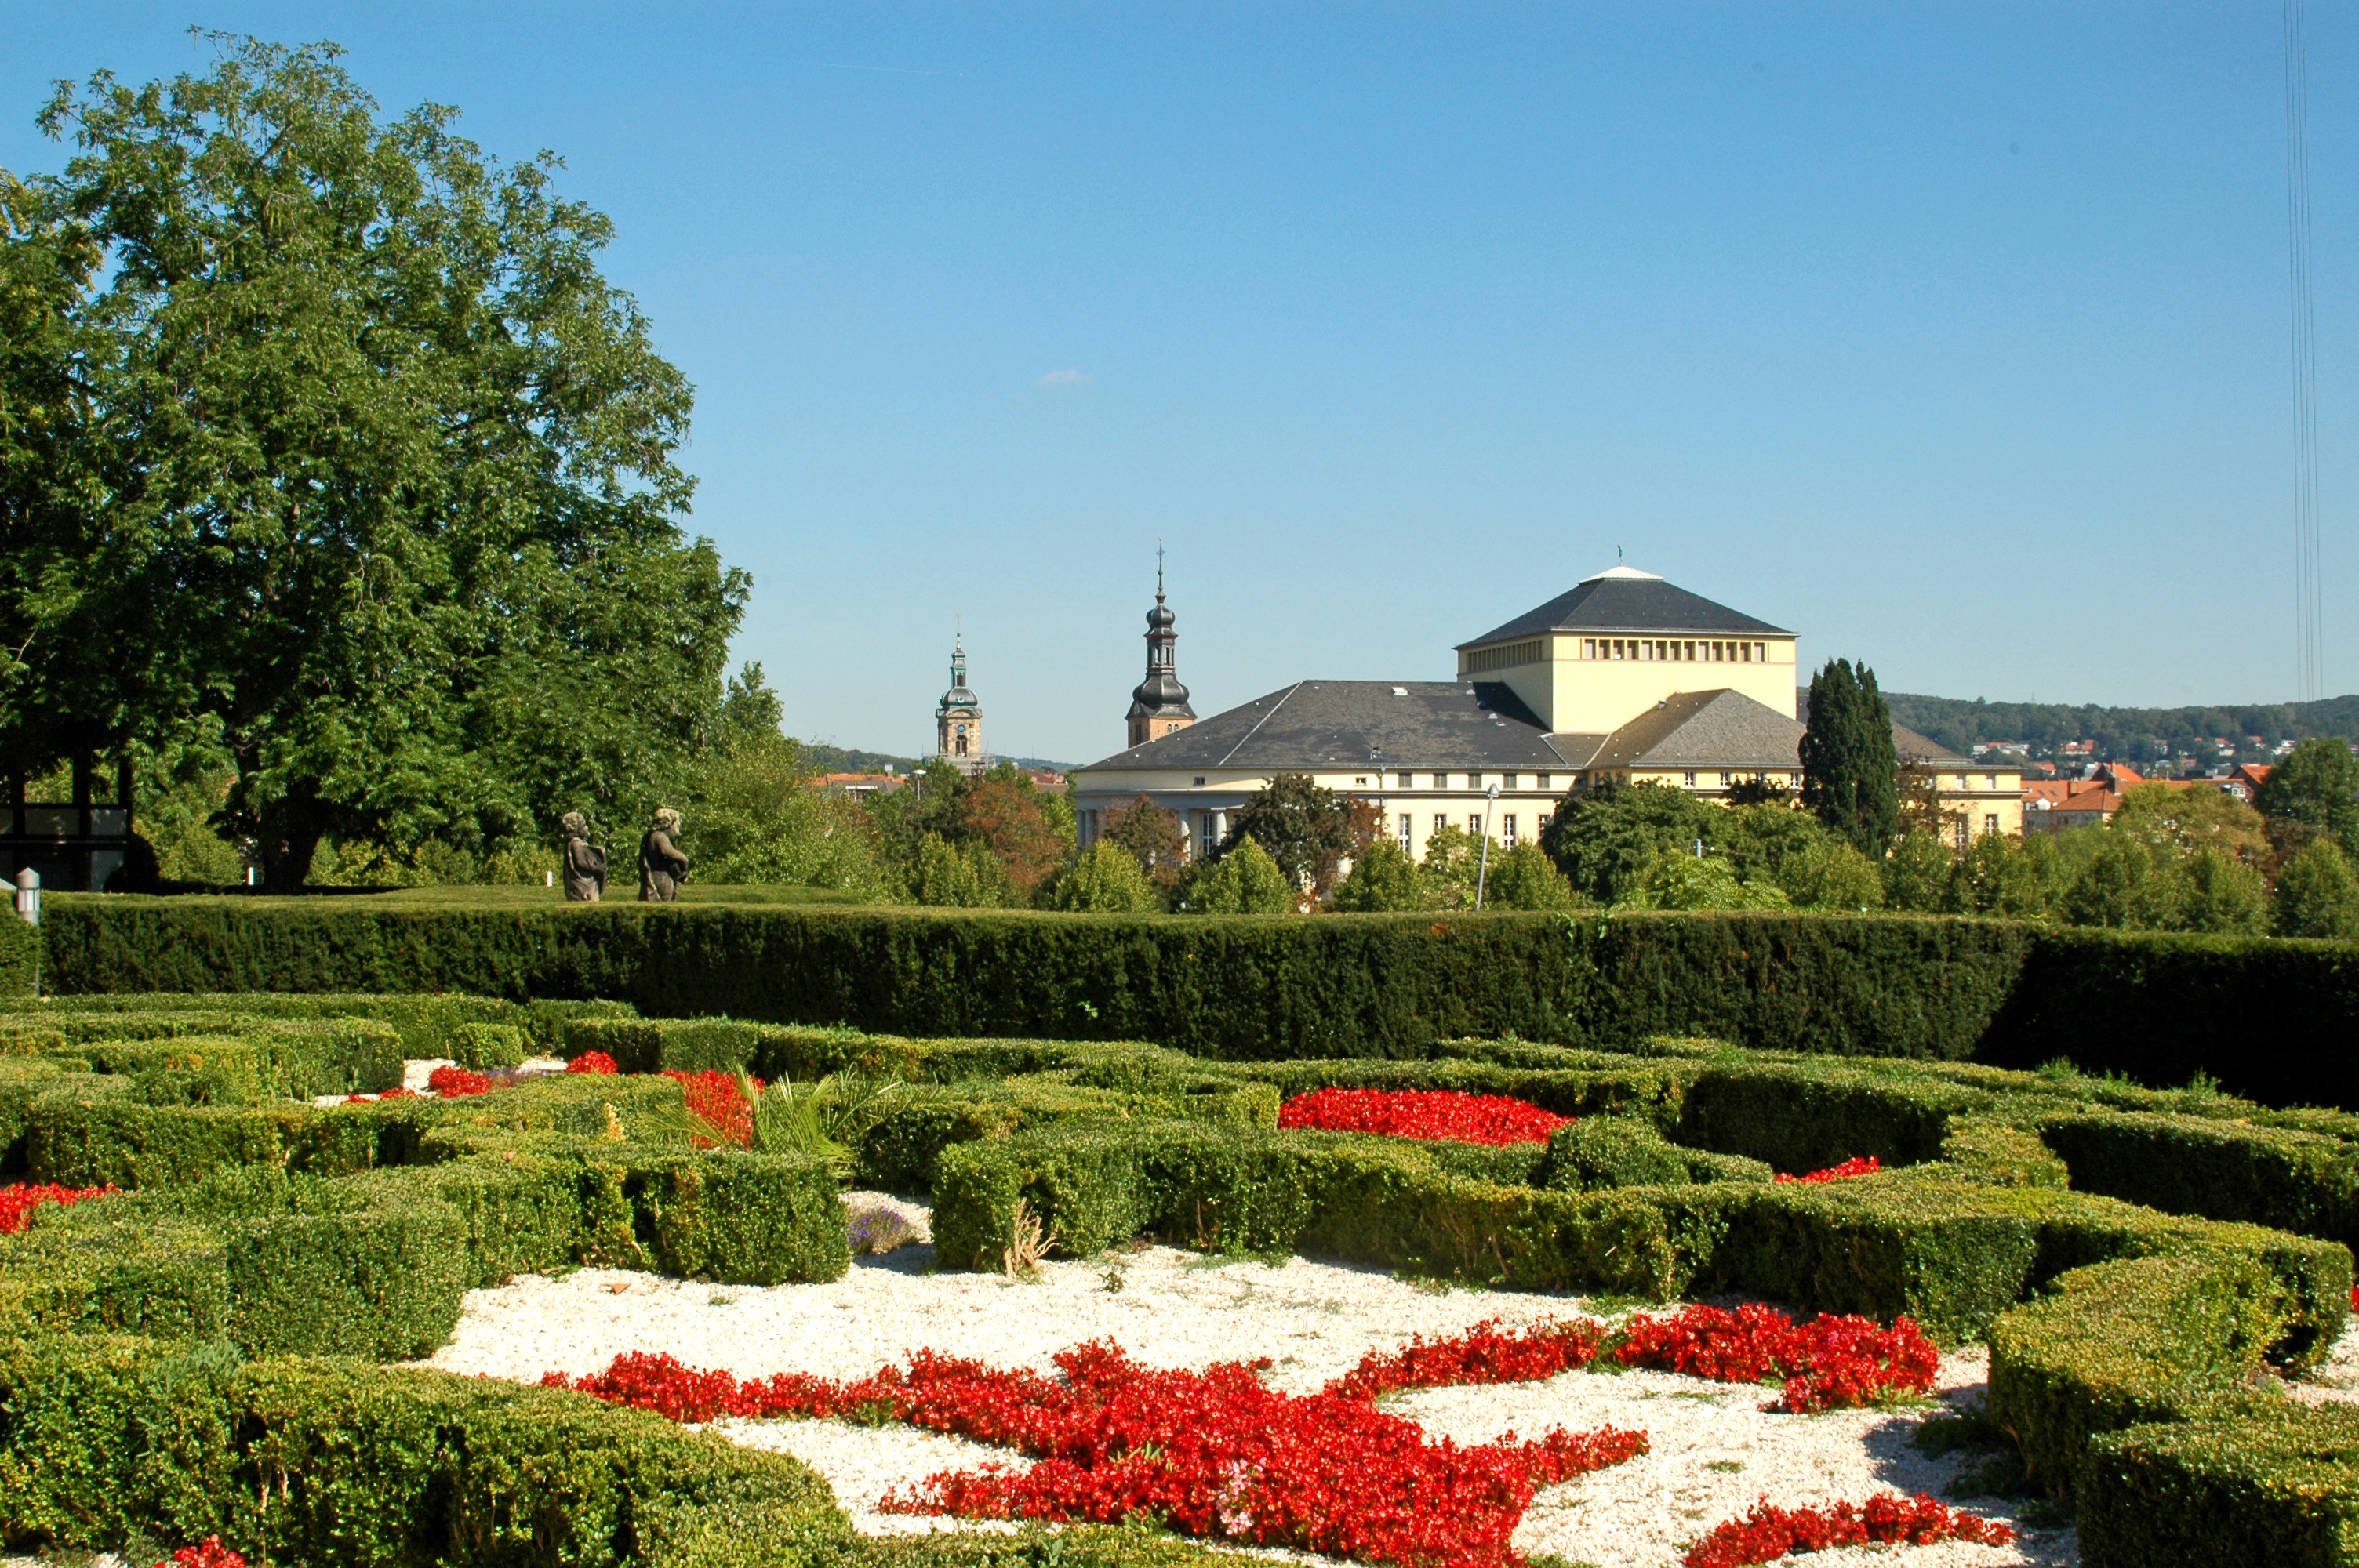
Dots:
pixel 1851 774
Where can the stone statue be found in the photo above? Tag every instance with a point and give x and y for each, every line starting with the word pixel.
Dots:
pixel 585 863
pixel 661 865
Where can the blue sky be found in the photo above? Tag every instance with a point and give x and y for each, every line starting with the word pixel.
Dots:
pixel 1953 338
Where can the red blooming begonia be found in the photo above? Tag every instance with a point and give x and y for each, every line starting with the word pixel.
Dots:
pixel 1858 1165
pixel 1221 1453
pixel 1821 1364
pixel 17 1202
pixel 1218 1452
pixel 597 1062
pixel 1431 1114
pixel 458 1083
pixel 1768 1532
pixel 208 1554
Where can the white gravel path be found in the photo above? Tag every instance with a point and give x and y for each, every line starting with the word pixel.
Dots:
pixel 1714 1449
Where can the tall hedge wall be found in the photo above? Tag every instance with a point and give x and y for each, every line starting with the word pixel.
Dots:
pixel 2157 1006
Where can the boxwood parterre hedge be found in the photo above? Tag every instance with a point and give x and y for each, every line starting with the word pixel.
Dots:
pixel 200 1354
pixel 2139 1260
pixel 2010 993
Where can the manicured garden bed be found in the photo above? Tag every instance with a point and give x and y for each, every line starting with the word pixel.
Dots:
pixel 2144 1263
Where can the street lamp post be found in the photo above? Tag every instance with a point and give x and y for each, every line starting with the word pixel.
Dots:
pixel 1483 870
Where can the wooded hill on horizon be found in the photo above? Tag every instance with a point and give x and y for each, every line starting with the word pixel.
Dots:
pixel 2132 734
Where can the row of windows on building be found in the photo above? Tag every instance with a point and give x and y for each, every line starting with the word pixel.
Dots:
pixel 1406 826
pixel 1442 781
pixel 1674 650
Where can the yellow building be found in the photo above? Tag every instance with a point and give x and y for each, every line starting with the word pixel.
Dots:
pixel 1625 677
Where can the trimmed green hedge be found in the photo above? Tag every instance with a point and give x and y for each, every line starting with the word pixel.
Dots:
pixel 2141 1339
pixel 1954 1254
pixel 356 1229
pixel 426 1024
pixel 319 1461
pixel 1276 988
pixel 2304 1181
pixel 21 947
pixel 2276 1483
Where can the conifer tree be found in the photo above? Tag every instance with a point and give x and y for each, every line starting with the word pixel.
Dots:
pixel 1850 770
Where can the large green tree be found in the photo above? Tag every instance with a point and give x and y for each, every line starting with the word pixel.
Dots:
pixel 2314 790
pixel 372 469
pixel 1850 770
pixel 1605 836
pixel 1310 830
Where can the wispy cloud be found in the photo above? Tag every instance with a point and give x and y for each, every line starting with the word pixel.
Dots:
pixel 1067 378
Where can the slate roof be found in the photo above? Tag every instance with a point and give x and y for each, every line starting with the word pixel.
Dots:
pixel 1704 730
pixel 1329 724
pixel 1624 599
pixel 1911 747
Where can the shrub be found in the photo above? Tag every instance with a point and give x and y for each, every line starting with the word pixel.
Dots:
pixel 2316 894
pixel 1244 880
pixel 1524 877
pixel 1102 879
pixel 300 1460
pixel 1832 873
pixel 481 1045
pixel 1368 986
pixel 1688 882
pixel 1383 879
pixel 1602 1151
pixel 20 947
pixel 2140 1339
pixel 2303 1182
pixel 2272 1482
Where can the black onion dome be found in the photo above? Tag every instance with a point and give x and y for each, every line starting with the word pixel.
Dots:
pixel 1160 617
pixel 1160 691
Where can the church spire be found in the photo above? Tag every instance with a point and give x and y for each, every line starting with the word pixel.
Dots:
pixel 957 719
pixel 1159 704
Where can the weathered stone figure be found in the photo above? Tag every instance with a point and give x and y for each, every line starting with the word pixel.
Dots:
pixel 585 863
pixel 661 865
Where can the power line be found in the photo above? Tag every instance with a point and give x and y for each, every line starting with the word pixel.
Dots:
pixel 2309 630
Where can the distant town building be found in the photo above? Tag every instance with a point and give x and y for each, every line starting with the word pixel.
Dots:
pixel 2053 805
pixel 860 787
pixel 2245 781
pixel 958 719
pixel 1625 677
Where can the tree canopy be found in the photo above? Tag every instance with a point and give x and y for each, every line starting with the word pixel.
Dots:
pixel 1850 770
pixel 325 430
pixel 2315 785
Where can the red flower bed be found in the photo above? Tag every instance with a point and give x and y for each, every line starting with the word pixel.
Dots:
pixel 715 1098
pixel 389 1094
pixel 1768 1532
pixel 1221 1454
pixel 597 1062
pixel 209 1554
pixel 1858 1165
pixel 458 1083
pixel 1824 1363
pixel 17 1202
pixel 1422 1113
pixel 1218 1452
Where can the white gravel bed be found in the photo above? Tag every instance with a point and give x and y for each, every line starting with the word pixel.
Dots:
pixel 2334 1381
pixel 1714 1448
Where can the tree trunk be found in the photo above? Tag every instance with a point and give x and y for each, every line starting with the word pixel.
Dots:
pixel 287 833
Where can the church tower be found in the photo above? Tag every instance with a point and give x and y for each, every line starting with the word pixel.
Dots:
pixel 1159 704
pixel 957 719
